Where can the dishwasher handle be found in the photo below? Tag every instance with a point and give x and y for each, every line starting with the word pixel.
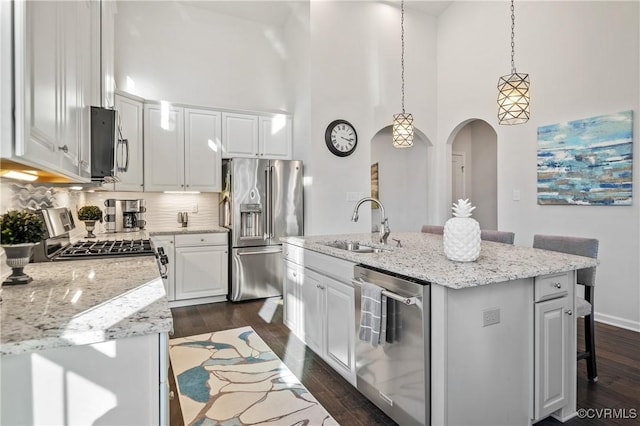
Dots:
pixel 402 299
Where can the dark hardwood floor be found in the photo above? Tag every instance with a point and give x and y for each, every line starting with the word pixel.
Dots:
pixel 618 353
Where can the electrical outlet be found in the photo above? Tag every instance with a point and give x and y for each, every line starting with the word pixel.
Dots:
pixel 194 208
pixel 490 316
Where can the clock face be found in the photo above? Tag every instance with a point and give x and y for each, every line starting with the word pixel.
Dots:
pixel 341 138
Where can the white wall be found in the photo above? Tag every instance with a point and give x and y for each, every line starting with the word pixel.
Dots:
pixel 187 54
pixel 583 60
pixel 355 75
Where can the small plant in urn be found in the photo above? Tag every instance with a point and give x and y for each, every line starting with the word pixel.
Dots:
pixel 21 231
pixel 89 215
pixel 462 234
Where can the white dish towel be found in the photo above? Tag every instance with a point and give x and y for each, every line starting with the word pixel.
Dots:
pixel 371 314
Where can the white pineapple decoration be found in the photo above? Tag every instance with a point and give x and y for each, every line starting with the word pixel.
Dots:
pixel 462 234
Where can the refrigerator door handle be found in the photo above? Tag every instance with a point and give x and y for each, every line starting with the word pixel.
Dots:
pixel 270 185
pixel 267 217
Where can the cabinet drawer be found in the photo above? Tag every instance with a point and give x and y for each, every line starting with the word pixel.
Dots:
pixel 292 253
pixel 208 239
pixel 552 286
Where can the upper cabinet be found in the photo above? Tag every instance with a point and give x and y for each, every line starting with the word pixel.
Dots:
pixel 107 53
pixel 202 150
pixel 256 136
pixel 182 149
pixel 129 151
pixel 53 86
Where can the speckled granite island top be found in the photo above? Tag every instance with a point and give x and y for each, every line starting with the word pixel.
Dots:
pixel 422 257
pixel 80 302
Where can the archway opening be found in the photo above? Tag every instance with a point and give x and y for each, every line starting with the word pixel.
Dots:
pixel 474 169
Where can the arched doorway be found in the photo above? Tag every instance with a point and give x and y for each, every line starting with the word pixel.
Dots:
pixel 474 169
pixel 402 183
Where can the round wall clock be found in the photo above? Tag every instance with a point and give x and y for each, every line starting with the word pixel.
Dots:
pixel 341 138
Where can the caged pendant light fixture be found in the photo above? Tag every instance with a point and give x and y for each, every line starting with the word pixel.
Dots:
pixel 513 89
pixel 403 122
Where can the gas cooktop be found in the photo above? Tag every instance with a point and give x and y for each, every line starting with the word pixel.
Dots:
pixel 113 248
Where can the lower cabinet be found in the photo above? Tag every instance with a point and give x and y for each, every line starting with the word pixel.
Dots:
pixel 555 347
pixel 121 381
pixel 319 306
pixel 198 267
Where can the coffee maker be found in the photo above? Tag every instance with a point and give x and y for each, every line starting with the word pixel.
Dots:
pixel 125 215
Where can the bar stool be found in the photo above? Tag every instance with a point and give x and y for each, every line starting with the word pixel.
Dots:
pixel 504 237
pixel 433 229
pixel 587 247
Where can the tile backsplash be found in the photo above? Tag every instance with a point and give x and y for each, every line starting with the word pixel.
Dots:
pixel 162 209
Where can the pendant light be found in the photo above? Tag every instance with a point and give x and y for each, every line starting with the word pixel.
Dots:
pixel 513 89
pixel 403 122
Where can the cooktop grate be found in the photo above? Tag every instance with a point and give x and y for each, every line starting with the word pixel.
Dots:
pixel 84 249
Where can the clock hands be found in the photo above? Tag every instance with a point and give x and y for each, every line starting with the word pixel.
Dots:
pixel 348 140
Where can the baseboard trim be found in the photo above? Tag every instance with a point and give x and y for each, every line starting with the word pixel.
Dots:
pixel 198 301
pixel 618 322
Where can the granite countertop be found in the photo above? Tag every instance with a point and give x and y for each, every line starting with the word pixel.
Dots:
pixel 188 230
pixel 80 302
pixel 422 257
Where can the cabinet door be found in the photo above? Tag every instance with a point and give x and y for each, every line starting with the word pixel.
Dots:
pixel 275 137
pixel 201 271
pixel 239 135
pixel 163 148
pixel 86 28
pixel 129 168
pixel 340 327
pixel 166 242
pixel 552 357
pixel 107 59
pixel 291 296
pixel 203 150
pixel 312 310
pixel 40 31
pixel 71 79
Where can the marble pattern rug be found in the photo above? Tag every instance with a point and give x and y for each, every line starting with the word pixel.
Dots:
pixel 232 377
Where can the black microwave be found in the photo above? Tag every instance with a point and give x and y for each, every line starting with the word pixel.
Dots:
pixel 104 143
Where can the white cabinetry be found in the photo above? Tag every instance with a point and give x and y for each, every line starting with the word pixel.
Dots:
pixel 555 347
pixel 167 244
pixel 198 267
pixel 163 148
pixel 53 84
pixel 129 153
pixel 202 150
pixel 107 53
pixel 319 306
pixel 121 381
pixel 275 139
pixel 250 135
pixel 181 149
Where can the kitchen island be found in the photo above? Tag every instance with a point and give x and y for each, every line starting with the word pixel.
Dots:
pixel 499 335
pixel 85 343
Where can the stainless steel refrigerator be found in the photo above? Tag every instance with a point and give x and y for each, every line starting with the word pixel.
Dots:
pixel 261 202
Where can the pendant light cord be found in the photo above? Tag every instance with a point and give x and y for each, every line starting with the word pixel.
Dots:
pixel 513 43
pixel 402 55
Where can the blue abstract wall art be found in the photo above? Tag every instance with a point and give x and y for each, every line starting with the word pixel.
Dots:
pixel 587 162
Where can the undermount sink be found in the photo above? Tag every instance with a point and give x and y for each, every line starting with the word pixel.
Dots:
pixel 355 247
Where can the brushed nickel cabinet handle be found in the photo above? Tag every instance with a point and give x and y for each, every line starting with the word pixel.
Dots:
pixel 557 285
pixel 64 149
pixel 569 312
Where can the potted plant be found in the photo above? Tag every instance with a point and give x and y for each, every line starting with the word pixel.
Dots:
pixel 20 231
pixel 89 215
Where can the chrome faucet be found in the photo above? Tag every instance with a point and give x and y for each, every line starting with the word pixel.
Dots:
pixel 384 229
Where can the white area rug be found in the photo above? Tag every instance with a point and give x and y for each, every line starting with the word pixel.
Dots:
pixel 233 378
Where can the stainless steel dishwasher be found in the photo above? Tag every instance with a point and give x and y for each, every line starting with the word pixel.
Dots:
pixel 396 376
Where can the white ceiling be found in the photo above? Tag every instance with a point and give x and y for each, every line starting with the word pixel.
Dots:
pixel 277 12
